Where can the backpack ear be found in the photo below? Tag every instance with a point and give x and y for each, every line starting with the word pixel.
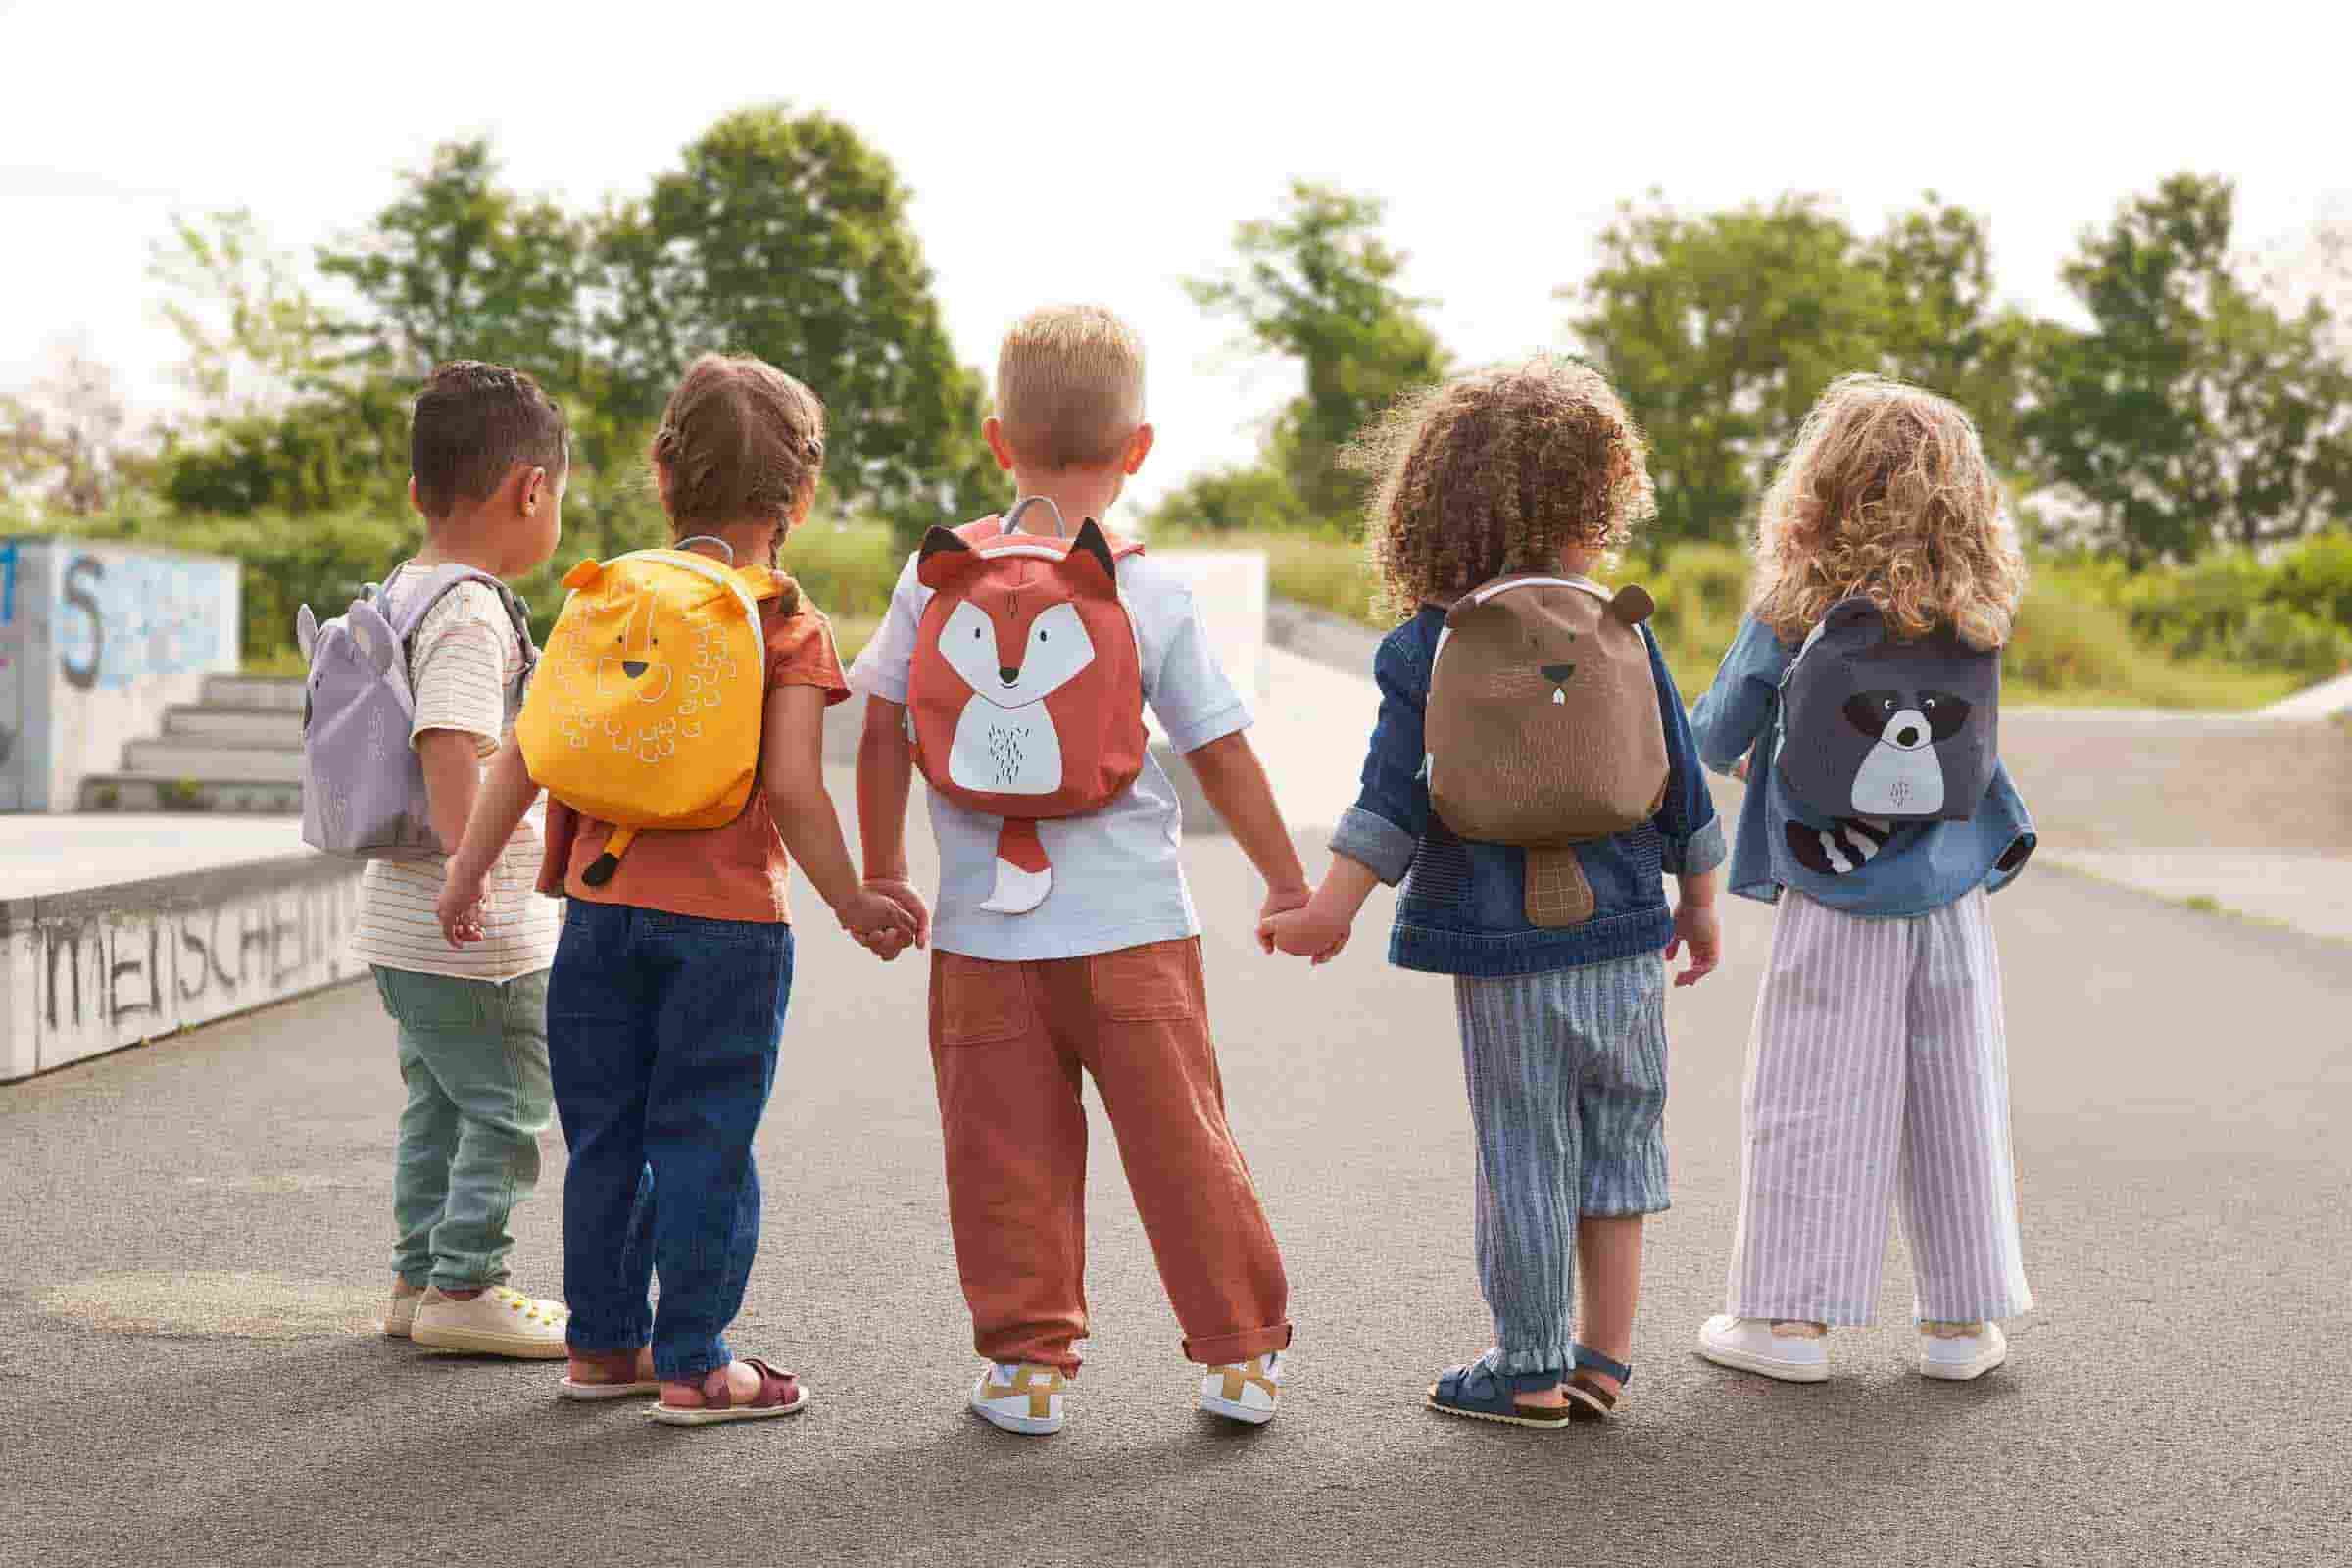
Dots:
pixel 943 558
pixel 372 635
pixel 1631 603
pixel 1090 545
pixel 305 630
pixel 581 575
pixel 1854 611
pixel 1463 608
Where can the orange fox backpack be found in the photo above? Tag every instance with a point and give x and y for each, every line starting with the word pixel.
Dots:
pixel 647 707
pixel 1026 696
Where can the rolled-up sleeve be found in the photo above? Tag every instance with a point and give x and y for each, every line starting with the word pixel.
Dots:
pixel 1735 710
pixel 1384 827
pixel 1688 825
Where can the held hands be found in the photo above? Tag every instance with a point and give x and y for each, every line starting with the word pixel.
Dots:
pixel 460 907
pixel 1697 925
pixel 887 915
pixel 1292 922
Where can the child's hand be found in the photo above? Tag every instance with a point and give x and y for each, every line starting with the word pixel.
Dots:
pixel 460 907
pixel 1697 925
pixel 901 891
pixel 880 924
pixel 1305 933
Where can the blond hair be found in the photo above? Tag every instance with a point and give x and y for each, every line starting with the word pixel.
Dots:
pixel 1498 471
pixel 739 440
pixel 1887 494
pixel 1070 388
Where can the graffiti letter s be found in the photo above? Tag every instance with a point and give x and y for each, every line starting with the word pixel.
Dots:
pixel 81 577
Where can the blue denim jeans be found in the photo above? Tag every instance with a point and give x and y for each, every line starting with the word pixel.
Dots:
pixel 663 1032
pixel 474 1057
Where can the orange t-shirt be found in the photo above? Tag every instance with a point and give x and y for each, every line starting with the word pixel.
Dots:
pixel 735 872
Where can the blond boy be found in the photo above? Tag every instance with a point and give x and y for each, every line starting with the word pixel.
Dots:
pixel 1104 975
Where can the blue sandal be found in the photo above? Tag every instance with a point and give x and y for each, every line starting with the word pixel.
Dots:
pixel 1484 1394
pixel 1585 1397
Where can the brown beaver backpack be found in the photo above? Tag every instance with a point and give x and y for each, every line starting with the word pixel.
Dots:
pixel 1542 726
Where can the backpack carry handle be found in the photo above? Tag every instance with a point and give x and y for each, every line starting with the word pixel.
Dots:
pixel 1012 518
pixel 707 539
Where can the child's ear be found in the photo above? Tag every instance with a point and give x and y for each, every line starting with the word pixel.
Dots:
pixel 943 558
pixel 1139 447
pixel 991 432
pixel 531 491
pixel 1090 545
pixel 416 505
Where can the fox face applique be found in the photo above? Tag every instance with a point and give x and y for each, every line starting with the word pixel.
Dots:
pixel 1025 699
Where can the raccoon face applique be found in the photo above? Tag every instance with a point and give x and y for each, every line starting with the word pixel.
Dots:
pixel 1900 774
pixel 1880 728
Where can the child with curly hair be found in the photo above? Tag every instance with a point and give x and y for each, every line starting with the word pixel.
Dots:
pixel 1877 1066
pixel 1530 468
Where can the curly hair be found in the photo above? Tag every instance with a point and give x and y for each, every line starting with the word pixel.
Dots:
pixel 1887 493
pixel 1498 471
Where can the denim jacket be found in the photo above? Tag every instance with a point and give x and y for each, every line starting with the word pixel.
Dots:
pixel 1916 868
pixel 1464 905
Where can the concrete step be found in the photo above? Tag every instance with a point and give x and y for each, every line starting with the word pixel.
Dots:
pixel 145 792
pixel 278 728
pixel 253 691
pixel 212 760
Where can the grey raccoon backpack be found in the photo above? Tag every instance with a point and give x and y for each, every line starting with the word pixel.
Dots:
pixel 363 786
pixel 1876 726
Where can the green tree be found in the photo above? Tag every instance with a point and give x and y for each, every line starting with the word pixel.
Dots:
pixel 458 266
pixel 1317 283
pixel 2194 408
pixel 786 235
pixel 1721 328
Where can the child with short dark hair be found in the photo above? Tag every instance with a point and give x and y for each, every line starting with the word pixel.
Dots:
pixel 670 987
pixel 1559 987
pixel 1877 1066
pixel 489 452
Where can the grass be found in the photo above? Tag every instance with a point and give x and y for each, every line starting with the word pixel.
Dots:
pixel 2074 645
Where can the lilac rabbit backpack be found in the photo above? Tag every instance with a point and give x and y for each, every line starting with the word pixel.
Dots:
pixel 363 786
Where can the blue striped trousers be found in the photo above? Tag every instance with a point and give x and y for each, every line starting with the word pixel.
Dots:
pixel 1567 1078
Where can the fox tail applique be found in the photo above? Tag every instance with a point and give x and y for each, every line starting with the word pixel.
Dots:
pixel 1023 876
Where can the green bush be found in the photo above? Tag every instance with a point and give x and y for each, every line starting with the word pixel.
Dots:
pixel 2293 615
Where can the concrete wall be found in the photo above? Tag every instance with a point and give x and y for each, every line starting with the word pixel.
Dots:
pixel 96 641
pixel 84 974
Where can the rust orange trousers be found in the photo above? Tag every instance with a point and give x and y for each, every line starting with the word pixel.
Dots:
pixel 1009 1043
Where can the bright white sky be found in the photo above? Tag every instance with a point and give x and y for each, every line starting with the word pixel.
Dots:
pixel 1103 152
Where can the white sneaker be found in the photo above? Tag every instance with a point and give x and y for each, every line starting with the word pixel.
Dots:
pixel 497 1322
pixel 1249 1391
pixel 401 1315
pixel 1021 1397
pixel 1961 1357
pixel 1748 1344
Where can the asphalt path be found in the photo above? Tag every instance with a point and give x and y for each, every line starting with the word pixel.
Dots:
pixel 193 1239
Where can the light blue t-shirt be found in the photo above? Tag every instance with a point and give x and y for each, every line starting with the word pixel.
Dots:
pixel 1117 879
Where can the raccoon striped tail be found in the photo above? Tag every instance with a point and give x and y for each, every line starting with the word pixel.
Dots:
pixel 1023 876
pixel 1846 844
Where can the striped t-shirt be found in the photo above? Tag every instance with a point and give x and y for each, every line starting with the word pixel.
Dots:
pixel 464 660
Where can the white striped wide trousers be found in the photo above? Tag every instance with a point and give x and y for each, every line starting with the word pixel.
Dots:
pixel 1877 1071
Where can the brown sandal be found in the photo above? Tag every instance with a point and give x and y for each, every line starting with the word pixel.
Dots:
pixel 780 1394
pixel 1588 1397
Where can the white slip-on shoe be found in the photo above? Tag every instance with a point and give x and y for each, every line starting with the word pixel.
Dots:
pixel 1250 1390
pixel 1962 1357
pixel 497 1322
pixel 1749 1345
pixel 401 1315
pixel 1021 1397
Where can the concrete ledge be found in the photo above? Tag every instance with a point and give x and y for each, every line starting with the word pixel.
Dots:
pixel 82 973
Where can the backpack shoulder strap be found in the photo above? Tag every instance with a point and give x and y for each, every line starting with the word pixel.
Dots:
pixel 518 612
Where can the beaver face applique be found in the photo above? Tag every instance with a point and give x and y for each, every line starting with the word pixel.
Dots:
pixel 1542 724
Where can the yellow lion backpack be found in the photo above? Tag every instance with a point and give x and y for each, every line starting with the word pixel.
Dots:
pixel 645 711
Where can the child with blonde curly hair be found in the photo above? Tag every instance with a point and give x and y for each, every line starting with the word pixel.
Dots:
pixel 1536 471
pixel 1877 1066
